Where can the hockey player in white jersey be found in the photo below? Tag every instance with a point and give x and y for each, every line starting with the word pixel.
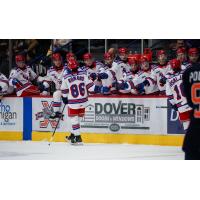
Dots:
pixel 121 66
pixel 21 78
pixel 4 85
pixel 106 75
pixel 182 56
pixel 75 87
pixel 143 75
pixel 158 73
pixel 55 75
pixel 174 91
pixel 137 83
pixel 92 67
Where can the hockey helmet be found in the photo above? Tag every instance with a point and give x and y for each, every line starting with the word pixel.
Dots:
pixel 175 64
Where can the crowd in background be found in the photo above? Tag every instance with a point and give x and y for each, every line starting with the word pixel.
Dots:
pixel 136 68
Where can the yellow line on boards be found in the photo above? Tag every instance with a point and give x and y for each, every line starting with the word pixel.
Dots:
pixel 11 135
pixel 167 140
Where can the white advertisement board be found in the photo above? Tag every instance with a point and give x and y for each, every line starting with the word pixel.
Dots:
pixel 108 115
pixel 126 115
pixel 11 114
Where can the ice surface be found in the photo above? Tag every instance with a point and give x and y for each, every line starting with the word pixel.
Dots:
pixel 29 150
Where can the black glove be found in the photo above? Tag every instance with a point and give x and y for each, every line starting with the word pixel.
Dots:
pixel 146 83
pixel 0 88
pixel 93 76
pixel 65 100
pixel 174 107
pixel 163 81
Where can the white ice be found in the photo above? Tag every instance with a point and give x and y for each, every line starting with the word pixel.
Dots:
pixel 29 150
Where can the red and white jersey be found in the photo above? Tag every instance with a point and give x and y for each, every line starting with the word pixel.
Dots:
pixel 140 77
pixel 157 73
pixel 122 70
pixel 174 91
pixel 24 76
pixel 55 76
pixel 4 83
pixel 76 86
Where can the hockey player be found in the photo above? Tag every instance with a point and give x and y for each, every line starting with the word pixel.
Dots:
pixel 193 55
pixel 106 75
pixel 158 73
pixel 75 87
pixel 21 78
pixel 182 56
pixel 137 84
pixel 55 75
pixel 69 56
pixel 144 74
pixel 92 68
pixel 4 85
pixel 191 86
pixel 175 94
pixel 134 61
pixel 121 68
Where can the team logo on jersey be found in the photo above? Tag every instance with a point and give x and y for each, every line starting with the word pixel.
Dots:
pixel 45 115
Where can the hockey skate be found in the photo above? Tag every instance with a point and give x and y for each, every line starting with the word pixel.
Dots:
pixel 76 140
pixel 69 138
pixel 55 115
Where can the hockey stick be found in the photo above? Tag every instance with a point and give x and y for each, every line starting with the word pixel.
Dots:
pixel 52 136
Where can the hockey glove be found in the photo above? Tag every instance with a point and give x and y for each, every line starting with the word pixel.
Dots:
pixel 146 83
pixel 42 87
pixel 163 81
pixel 98 89
pixel 174 107
pixel 140 88
pixel 102 76
pixel 16 83
pixel 93 76
pixel 0 88
pixel 65 100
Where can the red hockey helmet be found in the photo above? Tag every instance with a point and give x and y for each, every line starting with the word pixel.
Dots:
pixel 175 64
pixel 87 56
pixel 107 56
pixel 132 59
pixel 56 56
pixel 137 56
pixel 160 52
pixel 19 58
pixel 181 50
pixel 193 51
pixel 73 64
pixel 69 55
pixel 145 58
pixel 122 50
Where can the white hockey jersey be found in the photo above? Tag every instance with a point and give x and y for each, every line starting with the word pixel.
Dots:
pixel 122 71
pixel 140 77
pixel 76 86
pixel 107 77
pixel 174 91
pixel 4 83
pixel 24 76
pixel 157 73
pixel 54 76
